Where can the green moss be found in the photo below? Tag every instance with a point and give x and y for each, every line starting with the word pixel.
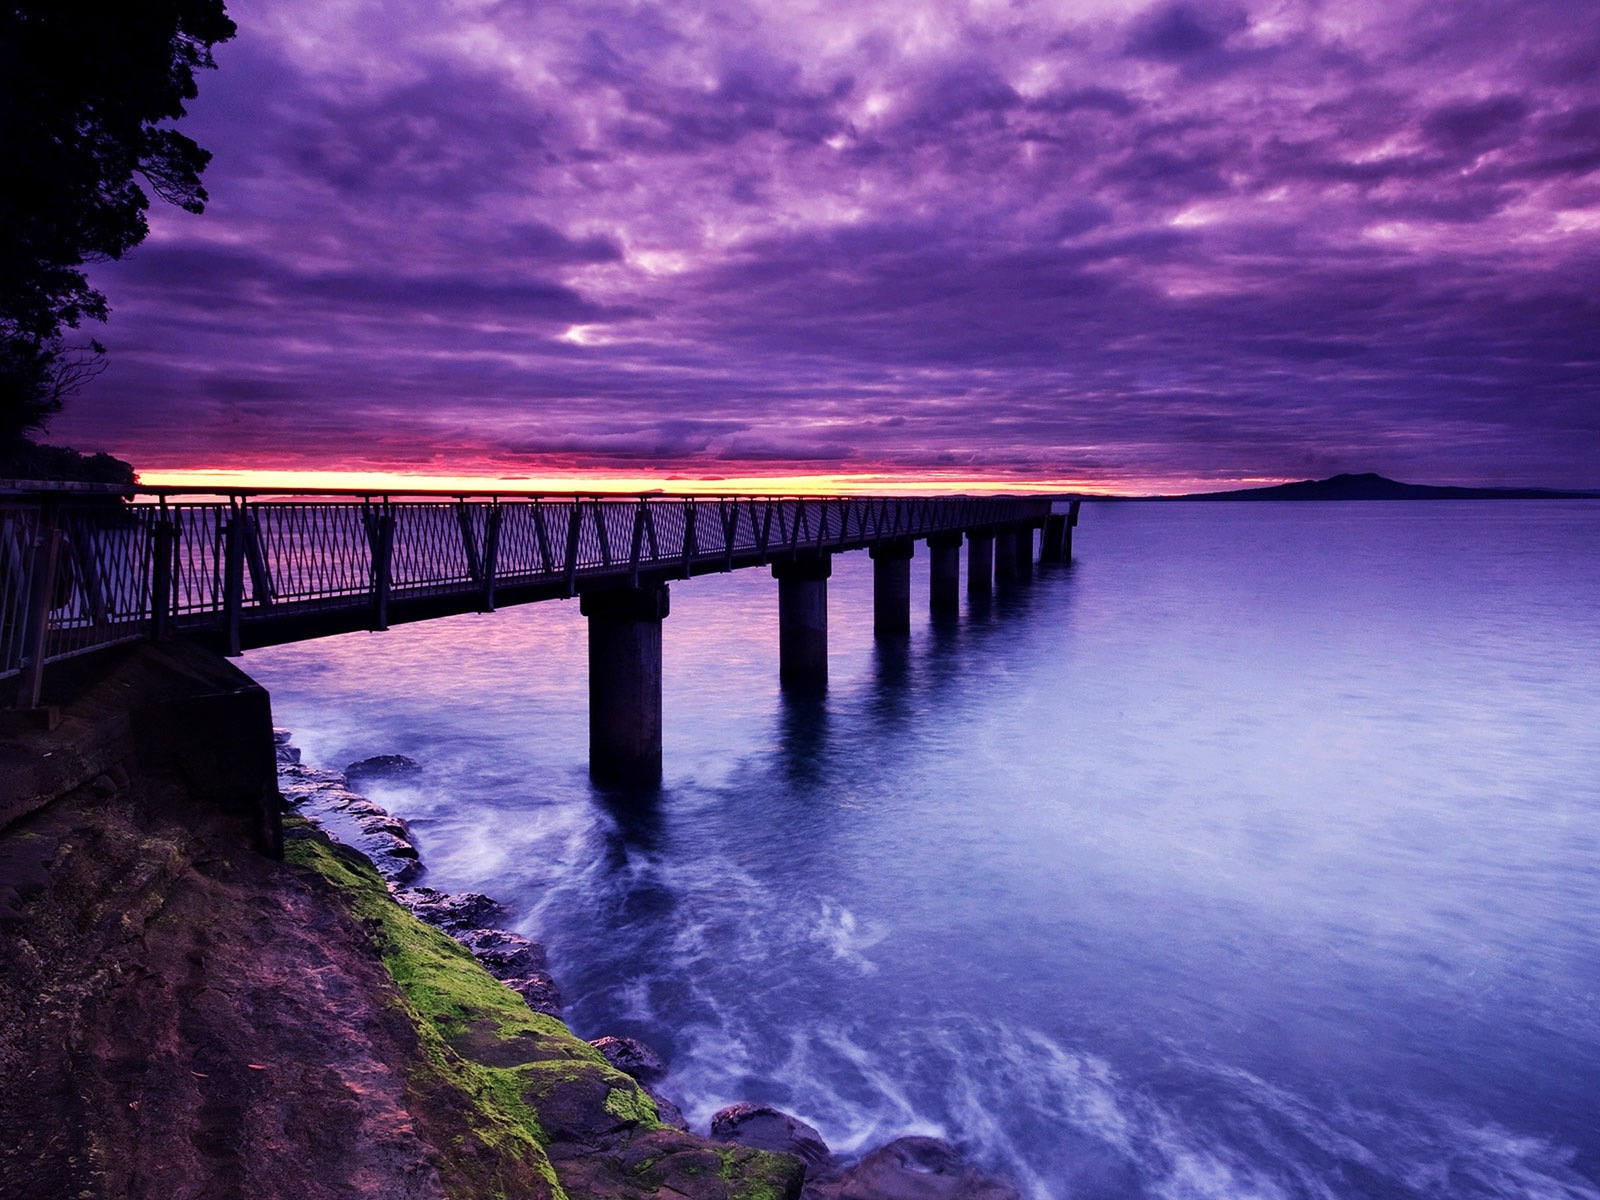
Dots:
pixel 631 1104
pixel 466 1020
pixel 755 1174
pixel 444 990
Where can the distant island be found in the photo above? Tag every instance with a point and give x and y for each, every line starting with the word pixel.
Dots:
pixel 1370 486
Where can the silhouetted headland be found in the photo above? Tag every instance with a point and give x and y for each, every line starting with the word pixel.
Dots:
pixel 1370 486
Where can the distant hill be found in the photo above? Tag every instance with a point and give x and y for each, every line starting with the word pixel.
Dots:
pixel 1376 487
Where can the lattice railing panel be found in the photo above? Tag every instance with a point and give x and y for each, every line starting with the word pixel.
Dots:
pixel 125 567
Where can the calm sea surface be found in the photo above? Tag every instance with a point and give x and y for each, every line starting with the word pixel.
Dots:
pixel 1256 854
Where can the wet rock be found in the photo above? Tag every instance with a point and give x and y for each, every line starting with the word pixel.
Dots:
pixel 540 991
pixel 762 1127
pixel 579 1107
pixel 669 1112
pixel 632 1057
pixel 297 781
pixel 670 1163
pixel 286 754
pixel 381 766
pixel 450 911
pixel 395 858
pixel 915 1168
pixel 504 955
pixel 348 817
pixel 378 823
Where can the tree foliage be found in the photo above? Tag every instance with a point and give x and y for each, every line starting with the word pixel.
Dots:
pixel 85 90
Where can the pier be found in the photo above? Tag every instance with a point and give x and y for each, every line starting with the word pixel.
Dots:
pixel 85 568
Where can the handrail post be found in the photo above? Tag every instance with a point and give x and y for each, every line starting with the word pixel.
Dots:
pixel 46 552
pixel 382 566
pixel 233 581
pixel 574 528
pixel 491 554
pixel 691 537
pixel 602 533
pixel 638 544
pixel 163 545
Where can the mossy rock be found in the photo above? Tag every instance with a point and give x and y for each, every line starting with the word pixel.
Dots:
pixel 519 1085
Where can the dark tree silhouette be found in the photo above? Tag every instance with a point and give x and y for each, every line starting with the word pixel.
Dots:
pixel 84 89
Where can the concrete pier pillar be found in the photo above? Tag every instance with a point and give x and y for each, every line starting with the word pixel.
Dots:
pixel 1025 554
pixel 803 621
pixel 1005 556
pixel 980 562
pixel 625 684
pixel 1055 528
pixel 891 586
pixel 944 574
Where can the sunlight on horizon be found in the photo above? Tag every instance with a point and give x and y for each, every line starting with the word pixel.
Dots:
pixel 630 482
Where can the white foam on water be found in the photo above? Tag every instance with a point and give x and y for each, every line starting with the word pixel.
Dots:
pixel 878 1107
pixel 1451 1155
pixel 838 929
pixel 954 1075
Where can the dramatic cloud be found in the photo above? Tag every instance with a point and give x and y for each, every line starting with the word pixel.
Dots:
pixel 1124 244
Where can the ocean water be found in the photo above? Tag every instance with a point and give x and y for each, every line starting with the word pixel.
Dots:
pixel 1255 854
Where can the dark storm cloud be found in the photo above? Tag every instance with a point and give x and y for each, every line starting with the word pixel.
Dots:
pixel 1172 240
pixel 1177 32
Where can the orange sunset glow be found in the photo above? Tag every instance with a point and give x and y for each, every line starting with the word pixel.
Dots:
pixel 633 482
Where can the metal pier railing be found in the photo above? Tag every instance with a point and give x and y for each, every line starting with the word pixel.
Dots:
pixel 84 568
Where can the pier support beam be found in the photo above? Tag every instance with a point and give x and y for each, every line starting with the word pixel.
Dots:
pixel 803 621
pixel 1072 523
pixel 1058 535
pixel 625 684
pixel 980 562
pixel 1025 553
pixel 944 574
pixel 1005 556
pixel 1055 529
pixel 891 586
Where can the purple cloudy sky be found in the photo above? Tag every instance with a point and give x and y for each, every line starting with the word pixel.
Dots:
pixel 1133 245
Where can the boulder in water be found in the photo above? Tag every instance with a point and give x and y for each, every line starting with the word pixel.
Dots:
pixel 504 954
pixel 540 991
pixel 450 911
pixel 631 1057
pixel 762 1127
pixel 394 857
pixel 286 754
pixel 916 1168
pixel 381 766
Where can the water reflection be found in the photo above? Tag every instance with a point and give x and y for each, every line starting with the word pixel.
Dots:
pixel 803 728
pixel 889 698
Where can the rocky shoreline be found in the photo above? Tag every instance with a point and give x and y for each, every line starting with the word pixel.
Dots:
pixel 908 1168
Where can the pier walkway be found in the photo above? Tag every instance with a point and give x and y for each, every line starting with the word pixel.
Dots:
pixel 82 568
